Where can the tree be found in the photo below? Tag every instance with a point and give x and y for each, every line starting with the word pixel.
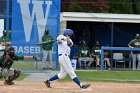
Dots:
pixel 84 5
pixel 134 9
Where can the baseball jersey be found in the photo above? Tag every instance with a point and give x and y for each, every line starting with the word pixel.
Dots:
pixel 4 39
pixel 2 58
pixel 135 43
pixel 63 47
pixel 47 46
pixel 96 51
pixel 84 52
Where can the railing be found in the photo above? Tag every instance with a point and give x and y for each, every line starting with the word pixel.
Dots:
pixel 103 48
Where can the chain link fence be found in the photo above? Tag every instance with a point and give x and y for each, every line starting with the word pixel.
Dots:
pixel 6 13
pixel 2 8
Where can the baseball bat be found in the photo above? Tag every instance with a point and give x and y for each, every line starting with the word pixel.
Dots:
pixel 52 41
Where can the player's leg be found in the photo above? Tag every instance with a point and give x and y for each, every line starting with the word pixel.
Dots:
pixel 68 68
pixel 50 58
pixel 60 75
pixel 138 57
pixel 108 62
pixel 134 61
pixel 98 62
pixel 80 62
pixel 62 72
pixel 12 75
pixel 65 67
pixel 44 56
pixel 1 53
pixel 90 61
pixel 1 73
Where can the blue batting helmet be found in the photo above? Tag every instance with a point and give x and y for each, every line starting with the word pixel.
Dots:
pixel 68 32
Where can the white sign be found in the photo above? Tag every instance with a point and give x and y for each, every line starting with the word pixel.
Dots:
pixel 37 11
pixel 1 26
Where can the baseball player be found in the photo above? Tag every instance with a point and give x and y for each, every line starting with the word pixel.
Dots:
pixel 6 61
pixel 64 44
pixel 135 43
pixel 4 42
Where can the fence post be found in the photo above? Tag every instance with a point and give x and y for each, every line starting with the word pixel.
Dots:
pixel 102 58
pixel 7 17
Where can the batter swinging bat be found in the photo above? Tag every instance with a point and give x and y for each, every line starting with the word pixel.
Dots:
pixel 46 42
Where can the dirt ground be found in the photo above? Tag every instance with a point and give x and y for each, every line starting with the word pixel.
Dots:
pixel 68 87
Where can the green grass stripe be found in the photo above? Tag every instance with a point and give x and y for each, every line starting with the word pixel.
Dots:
pixel 107 76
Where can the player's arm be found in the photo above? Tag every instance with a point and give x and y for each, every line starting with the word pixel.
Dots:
pixel 131 44
pixel 69 42
pixel 8 43
pixel 28 57
pixel 3 43
pixel 25 57
pixel 31 57
pixel 59 41
pixel 60 38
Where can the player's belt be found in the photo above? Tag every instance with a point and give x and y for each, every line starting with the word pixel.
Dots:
pixel 61 55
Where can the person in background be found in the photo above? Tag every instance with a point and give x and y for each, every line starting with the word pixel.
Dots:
pixel 4 42
pixel 95 53
pixel 135 43
pixel 47 50
pixel 84 56
pixel 107 59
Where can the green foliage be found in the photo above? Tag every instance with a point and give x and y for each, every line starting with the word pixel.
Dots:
pixel 124 6
pixel 107 76
pixel 75 7
pixel 105 6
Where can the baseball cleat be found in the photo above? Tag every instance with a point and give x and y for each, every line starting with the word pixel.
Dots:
pixel 8 83
pixel 47 83
pixel 85 86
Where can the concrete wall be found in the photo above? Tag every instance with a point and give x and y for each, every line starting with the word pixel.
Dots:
pixel 63 25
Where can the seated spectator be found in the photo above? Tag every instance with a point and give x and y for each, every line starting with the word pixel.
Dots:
pixel 84 56
pixel 107 59
pixel 95 53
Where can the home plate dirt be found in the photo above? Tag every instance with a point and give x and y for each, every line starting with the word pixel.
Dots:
pixel 68 87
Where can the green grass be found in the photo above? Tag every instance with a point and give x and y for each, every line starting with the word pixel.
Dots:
pixel 107 76
pixel 24 65
pixel 89 76
pixel 22 76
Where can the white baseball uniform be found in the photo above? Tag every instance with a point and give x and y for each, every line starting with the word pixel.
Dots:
pixel 64 60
